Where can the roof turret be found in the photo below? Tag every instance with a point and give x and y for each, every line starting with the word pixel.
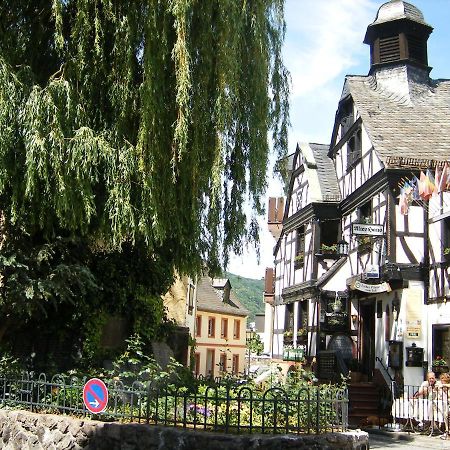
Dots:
pixel 398 35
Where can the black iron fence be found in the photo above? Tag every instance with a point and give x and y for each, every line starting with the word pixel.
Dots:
pixel 217 407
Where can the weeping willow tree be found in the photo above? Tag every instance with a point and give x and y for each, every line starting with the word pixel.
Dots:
pixel 141 120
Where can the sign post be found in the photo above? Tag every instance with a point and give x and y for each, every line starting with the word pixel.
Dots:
pixel 95 395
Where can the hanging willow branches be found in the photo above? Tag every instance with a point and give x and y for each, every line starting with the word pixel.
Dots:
pixel 141 119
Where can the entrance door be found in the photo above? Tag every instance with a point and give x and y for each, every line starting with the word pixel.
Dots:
pixel 367 337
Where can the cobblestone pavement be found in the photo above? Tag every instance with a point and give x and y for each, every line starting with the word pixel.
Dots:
pixel 413 441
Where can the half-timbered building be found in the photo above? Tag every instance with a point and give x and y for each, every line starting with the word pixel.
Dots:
pixel 359 275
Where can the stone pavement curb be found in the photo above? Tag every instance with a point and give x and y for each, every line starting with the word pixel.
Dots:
pixel 405 436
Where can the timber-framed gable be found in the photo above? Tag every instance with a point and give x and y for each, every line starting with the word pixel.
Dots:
pixel 392 282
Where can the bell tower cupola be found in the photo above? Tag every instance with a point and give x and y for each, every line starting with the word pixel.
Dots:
pixel 398 36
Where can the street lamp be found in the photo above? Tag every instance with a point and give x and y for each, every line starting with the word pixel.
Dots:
pixel 342 248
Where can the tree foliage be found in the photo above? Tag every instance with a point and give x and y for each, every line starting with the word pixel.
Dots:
pixel 130 135
pixel 140 121
pixel 55 297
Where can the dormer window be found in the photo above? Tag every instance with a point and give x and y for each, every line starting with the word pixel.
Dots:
pixel 226 294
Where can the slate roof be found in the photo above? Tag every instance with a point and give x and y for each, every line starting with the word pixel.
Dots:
pixel 326 172
pixel 210 299
pixel 398 9
pixel 404 123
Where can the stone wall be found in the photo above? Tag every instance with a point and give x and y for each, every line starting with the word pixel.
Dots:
pixel 25 430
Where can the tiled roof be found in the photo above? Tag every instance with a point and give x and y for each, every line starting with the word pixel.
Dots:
pixel 210 299
pixel 407 119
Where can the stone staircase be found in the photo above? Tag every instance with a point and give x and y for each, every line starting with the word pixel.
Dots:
pixel 365 401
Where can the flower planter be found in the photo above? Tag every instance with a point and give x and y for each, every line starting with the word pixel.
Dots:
pixel 439 369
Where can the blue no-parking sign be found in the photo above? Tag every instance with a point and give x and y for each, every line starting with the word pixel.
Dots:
pixel 95 395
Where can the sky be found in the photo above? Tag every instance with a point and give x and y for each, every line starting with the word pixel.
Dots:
pixel 323 43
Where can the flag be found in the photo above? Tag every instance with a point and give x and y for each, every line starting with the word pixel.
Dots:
pixel 403 203
pixel 432 182
pixel 444 178
pixel 426 187
pixel 409 193
pixel 414 183
pixel 437 177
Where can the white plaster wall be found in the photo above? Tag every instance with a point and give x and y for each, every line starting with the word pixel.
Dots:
pixel 268 328
pixel 365 169
pixel 413 375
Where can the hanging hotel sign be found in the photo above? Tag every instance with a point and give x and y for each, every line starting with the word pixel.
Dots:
pixel 367 229
pixel 371 288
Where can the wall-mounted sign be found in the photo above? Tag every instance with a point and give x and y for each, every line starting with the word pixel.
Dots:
pixel 367 229
pixel 371 288
pixel 373 271
pixel 414 313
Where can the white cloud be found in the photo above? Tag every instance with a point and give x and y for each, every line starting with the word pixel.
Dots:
pixel 324 39
pixel 323 43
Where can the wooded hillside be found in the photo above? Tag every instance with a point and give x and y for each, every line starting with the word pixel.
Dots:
pixel 250 293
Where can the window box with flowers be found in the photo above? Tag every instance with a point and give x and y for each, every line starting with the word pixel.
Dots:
pixel 328 251
pixel 299 260
pixel 439 365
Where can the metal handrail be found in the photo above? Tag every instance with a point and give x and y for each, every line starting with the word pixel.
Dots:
pixel 385 369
